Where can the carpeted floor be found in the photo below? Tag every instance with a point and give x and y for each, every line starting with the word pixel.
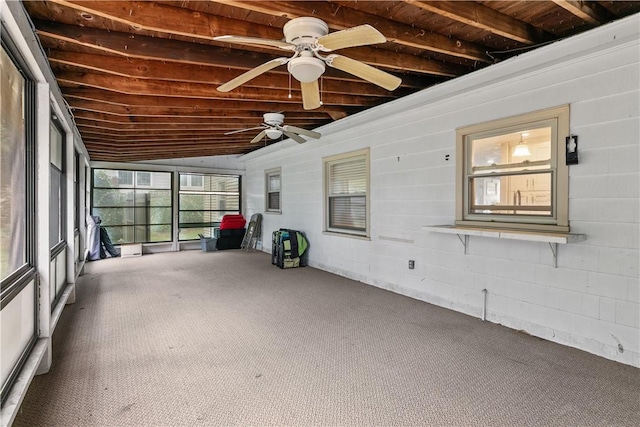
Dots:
pixel 225 338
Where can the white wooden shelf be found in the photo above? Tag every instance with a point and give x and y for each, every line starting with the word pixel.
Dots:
pixel 553 239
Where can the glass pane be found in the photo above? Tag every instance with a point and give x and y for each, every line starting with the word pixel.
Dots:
pixel 104 178
pixel 120 234
pixel 348 177
pixel 209 202
pixel 524 194
pixel 143 179
pixel 157 215
pixel 348 213
pixel 12 170
pixel 274 201
pixel 222 183
pixel 527 149
pixel 204 200
pixel 160 180
pixel 55 207
pixel 200 217
pixel 56 151
pixel 274 182
pixel 112 197
pixel 115 216
pixel 160 197
pixel 153 233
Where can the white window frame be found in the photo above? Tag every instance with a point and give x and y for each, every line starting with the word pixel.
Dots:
pixel 268 174
pixel 558 221
pixel 328 162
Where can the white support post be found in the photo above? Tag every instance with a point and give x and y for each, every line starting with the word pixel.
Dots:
pixel 43 183
pixel 72 250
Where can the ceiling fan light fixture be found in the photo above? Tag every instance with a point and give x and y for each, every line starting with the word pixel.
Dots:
pixel 306 69
pixel 273 133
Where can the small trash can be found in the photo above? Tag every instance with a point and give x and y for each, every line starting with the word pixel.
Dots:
pixel 208 244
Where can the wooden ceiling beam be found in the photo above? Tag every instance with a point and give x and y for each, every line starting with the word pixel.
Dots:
pixel 339 16
pixel 105 156
pixel 162 111
pixel 485 18
pixel 102 134
pixel 115 98
pixel 241 138
pixel 198 90
pixel 110 118
pixel 590 12
pixel 145 47
pixel 190 73
pixel 133 127
pixel 220 137
pixel 155 16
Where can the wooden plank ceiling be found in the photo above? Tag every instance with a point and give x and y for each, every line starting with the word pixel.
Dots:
pixel 140 77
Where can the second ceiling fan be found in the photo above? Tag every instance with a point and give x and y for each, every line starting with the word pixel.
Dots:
pixel 273 129
pixel 307 38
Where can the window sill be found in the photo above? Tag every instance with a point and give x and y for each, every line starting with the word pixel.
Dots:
pixel 347 235
pixel 552 238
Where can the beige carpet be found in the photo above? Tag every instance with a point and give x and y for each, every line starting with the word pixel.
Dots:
pixel 225 338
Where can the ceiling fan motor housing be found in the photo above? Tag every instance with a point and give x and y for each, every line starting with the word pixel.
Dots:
pixel 304 30
pixel 273 119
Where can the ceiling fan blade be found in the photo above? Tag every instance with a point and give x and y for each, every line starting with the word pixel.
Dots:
pixel 259 136
pixel 364 71
pixel 243 130
pixel 310 95
pixel 255 41
pixel 294 136
pixel 357 36
pixel 309 133
pixel 255 72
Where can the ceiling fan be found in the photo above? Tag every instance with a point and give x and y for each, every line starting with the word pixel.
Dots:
pixel 273 129
pixel 307 37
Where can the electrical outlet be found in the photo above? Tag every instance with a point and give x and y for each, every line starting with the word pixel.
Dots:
pixel 412 264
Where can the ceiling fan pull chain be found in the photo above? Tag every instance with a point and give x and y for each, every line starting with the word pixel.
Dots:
pixel 289 85
pixel 321 84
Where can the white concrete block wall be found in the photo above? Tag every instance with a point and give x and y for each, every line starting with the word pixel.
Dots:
pixel 592 299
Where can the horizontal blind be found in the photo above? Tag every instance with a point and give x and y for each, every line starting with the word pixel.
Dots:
pixel 348 212
pixel 274 183
pixel 348 177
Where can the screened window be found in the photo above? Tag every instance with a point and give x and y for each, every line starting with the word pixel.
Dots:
pixel 203 200
pixel 273 185
pixel 17 228
pixel 133 213
pixel 347 188
pixel 57 205
pixel 513 171
pixel 14 195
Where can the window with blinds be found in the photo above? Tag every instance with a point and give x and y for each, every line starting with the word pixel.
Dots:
pixel 272 190
pixel 347 188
